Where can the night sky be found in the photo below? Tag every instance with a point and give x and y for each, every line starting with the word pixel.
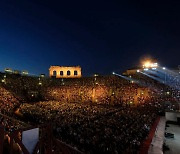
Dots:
pixel 100 36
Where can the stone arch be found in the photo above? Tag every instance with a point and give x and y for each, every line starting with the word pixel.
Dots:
pixel 65 69
pixel 54 73
pixel 75 72
pixel 61 73
pixel 68 72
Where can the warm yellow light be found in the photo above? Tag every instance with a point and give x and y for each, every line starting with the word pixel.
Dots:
pixel 147 64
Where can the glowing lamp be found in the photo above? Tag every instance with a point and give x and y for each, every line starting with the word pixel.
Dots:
pixel 147 64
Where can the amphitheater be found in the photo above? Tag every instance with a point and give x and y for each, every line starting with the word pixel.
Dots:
pixel 99 114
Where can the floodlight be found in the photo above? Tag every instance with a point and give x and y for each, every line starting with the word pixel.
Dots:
pixel 164 68
pixel 147 64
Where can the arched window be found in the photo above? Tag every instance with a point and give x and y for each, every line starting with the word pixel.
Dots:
pixel 68 73
pixel 75 73
pixel 54 73
pixel 61 73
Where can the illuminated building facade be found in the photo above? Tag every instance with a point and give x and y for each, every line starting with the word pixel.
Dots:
pixel 65 72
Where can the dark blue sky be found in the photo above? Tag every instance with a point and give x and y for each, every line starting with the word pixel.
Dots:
pixel 100 36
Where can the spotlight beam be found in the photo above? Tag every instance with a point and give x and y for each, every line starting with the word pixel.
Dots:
pixel 162 81
pixel 127 78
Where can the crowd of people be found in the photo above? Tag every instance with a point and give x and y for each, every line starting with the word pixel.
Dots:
pixel 107 90
pixel 96 128
pixel 7 101
pixel 10 124
pixel 95 114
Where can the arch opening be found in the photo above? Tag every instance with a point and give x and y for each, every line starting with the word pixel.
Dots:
pixel 61 73
pixel 75 72
pixel 68 73
pixel 54 73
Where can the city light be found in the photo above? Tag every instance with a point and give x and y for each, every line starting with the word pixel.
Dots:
pixel 149 64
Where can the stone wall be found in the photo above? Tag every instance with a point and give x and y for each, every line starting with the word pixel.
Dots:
pixel 65 72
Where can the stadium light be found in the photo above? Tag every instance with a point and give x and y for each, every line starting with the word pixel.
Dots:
pixel 149 64
pixel 113 72
pixel 164 68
